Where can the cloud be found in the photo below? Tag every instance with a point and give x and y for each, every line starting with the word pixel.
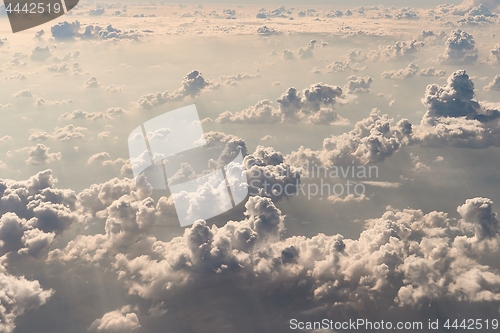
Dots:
pixel 495 55
pixel 232 80
pixel 192 85
pixel 313 105
pixel 100 157
pixel 264 138
pixel 267 31
pixel 39 155
pixel 307 52
pixel 40 101
pixel 431 71
pixel 62 67
pixel 65 30
pixel 454 117
pixel 480 7
pixel 460 49
pixel 372 140
pixel 410 71
pixel 494 84
pixel 288 55
pixel 110 113
pixel 405 258
pixel 478 15
pixel 67 132
pixel 269 175
pixel 262 112
pixel 18 296
pixel 400 50
pixel 5 138
pixel 24 93
pixel 40 53
pixel 357 85
pixel 455 99
pixel 16 77
pixel 91 83
pixel 119 321
pixel 479 212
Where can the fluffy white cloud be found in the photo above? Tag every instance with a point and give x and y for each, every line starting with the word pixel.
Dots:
pixel 455 117
pixel 39 155
pixel 410 71
pixel 24 93
pixel 110 113
pixel 431 71
pixel 357 85
pixel 91 83
pixel 232 80
pixel 313 105
pixel 41 102
pixel 67 132
pixel 40 53
pixel 192 85
pixel 404 73
pixel 495 55
pixel 119 321
pixel 267 31
pixel 372 140
pixel 455 99
pixel 400 50
pixel 307 51
pixel 18 296
pixel 66 30
pixel 494 84
pixel 460 49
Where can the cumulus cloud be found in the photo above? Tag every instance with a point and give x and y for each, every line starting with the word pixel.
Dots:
pixel 454 117
pixel 99 157
pixel 267 31
pixel 18 296
pixel 110 113
pixel 192 85
pixel 313 105
pixel 455 99
pixel 24 93
pixel 232 80
pixel 40 53
pixel 405 258
pixel 288 55
pixel 460 48
pixel 41 102
pixel 400 50
pixel 495 55
pixel 357 85
pixel 372 140
pixel 91 83
pixel 431 71
pixel 5 138
pixel 39 155
pixel 494 84
pixel 410 71
pixel 267 171
pixel 478 7
pixel 67 132
pixel 62 67
pixel 65 30
pixel 307 51
pixel 119 321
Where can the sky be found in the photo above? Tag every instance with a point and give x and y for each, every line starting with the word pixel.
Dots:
pixel 334 162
